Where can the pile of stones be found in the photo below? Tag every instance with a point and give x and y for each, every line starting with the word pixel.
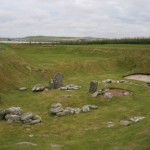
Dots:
pixel 114 81
pixel 58 110
pixel 16 114
pixel 70 87
pixel 131 120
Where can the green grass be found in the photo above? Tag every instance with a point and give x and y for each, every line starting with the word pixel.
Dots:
pixel 80 64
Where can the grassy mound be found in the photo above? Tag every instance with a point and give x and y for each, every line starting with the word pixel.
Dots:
pixel 26 65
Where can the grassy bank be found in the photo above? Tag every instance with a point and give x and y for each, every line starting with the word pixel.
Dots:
pixel 27 65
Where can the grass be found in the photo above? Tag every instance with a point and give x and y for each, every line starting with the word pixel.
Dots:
pixel 80 64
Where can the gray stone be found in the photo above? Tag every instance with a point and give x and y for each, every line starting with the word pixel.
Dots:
pixel 13 118
pixel 56 105
pixel 56 110
pixel 22 89
pixel 95 94
pixel 70 87
pixel 77 110
pixel 35 121
pixel 108 95
pixel 125 122
pixel 60 114
pixel 2 114
pixel 38 88
pixel 93 107
pixel 57 82
pixel 93 86
pixel 14 111
pixel 108 81
pixel 86 108
pixel 70 109
pixel 137 119
pixel 26 116
pixel 27 143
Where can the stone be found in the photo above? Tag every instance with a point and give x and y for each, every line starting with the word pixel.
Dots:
pixel 31 135
pixel 26 116
pixel 14 111
pixel 56 105
pixel 125 122
pixel 2 114
pixel 62 113
pixel 93 86
pixel 38 88
pixel 108 95
pixel 108 81
pixel 56 110
pixel 86 108
pixel 93 107
pixel 70 87
pixel 126 93
pixel 27 143
pixel 22 89
pixel 137 119
pixel 95 94
pixel 35 121
pixel 57 82
pixel 77 110
pixel 13 118
pixel 70 109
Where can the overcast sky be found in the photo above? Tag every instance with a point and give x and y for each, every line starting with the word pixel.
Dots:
pixel 96 18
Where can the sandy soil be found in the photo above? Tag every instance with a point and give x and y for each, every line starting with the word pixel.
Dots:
pixel 139 77
pixel 119 92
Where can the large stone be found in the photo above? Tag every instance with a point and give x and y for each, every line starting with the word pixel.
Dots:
pixel 56 105
pixel 14 111
pixel 13 118
pixel 125 122
pixel 70 109
pixel 2 114
pixel 38 88
pixel 95 94
pixel 86 108
pixel 108 95
pixel 93 86
pixel 56 110
pixel 77 110
pixel 26 116
pixel 57 82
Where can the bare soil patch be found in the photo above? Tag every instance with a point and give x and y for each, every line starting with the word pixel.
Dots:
pixel 140 77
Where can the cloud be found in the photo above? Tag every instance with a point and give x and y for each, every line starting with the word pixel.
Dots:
pixel 98 18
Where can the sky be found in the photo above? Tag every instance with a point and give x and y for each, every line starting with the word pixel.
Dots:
pixel 75 18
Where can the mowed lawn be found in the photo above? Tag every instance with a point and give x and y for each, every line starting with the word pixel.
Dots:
pixel 27 65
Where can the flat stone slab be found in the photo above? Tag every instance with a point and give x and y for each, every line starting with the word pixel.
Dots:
pixel 27 143
pixel 140 77
pixel 125 122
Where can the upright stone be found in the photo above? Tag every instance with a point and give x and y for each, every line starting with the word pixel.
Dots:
pixel 93 86
pixel 57 82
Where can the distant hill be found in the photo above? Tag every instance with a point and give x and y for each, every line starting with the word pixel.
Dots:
pixel 49 39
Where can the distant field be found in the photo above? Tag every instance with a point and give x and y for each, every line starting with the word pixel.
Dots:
pixel 80 64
